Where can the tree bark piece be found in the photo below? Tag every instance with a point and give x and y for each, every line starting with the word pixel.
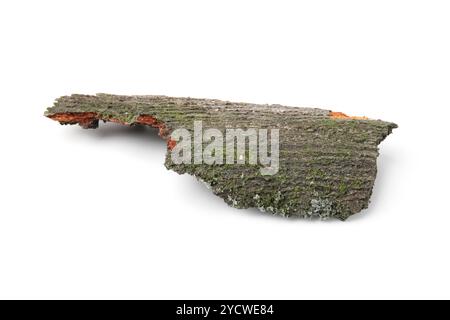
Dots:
pixel 327 159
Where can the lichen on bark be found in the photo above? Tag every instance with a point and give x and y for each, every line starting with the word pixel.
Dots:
pixel 327 161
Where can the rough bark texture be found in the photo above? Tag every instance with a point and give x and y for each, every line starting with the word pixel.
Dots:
pixel 327 160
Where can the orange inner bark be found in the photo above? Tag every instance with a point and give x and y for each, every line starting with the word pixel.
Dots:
pixel 340 115
pixel 87 117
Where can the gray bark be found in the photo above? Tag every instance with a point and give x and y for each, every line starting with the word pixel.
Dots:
pixel 327 165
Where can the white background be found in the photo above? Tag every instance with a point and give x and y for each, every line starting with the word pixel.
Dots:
pixel 95 214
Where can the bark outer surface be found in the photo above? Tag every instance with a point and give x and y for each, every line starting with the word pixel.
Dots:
pixel 327 160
